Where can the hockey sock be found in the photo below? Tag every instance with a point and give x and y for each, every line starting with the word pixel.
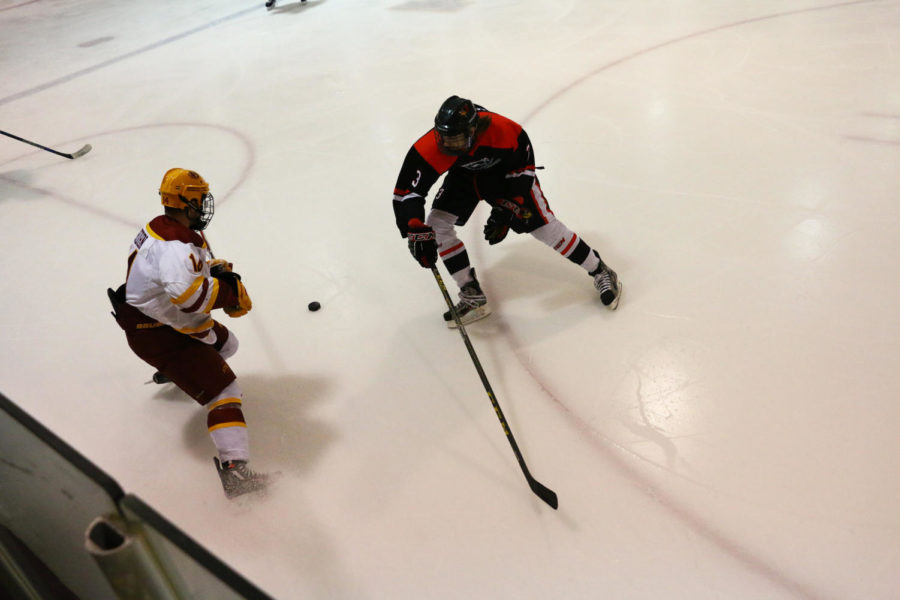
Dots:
pixel 226 424
pixel 568 244
pixel 450 248
pixel 463 273
pixel 228 430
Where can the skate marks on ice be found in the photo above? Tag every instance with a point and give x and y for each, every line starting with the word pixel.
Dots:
pixel 525 278
pixel 125 56
pixel 881 128
pixel 552 98
pixel 537 292
pixel 18 5
pixel 284 436
pixel 16 186
pixel 434 5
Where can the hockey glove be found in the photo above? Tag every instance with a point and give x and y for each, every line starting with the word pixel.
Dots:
pixel 497 225
pixel 217 266
pixel 421 243
pixel 244 304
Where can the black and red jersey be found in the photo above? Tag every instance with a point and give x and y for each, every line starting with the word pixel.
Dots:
pixel 502 150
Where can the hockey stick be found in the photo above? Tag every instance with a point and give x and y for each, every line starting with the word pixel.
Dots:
pixel 80 152
pixel 208 247
pixel 542 491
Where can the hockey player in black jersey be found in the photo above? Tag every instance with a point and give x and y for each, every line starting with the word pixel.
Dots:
pixel 489 157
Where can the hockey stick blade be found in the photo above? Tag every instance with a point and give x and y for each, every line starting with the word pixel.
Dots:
pixel 80 152
pixel 544 493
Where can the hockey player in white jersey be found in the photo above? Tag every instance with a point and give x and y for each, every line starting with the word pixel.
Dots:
pixel 171 288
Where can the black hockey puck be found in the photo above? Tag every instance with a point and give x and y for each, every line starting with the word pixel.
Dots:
pixel 314 306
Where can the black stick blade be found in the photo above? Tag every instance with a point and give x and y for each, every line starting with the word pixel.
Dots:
pixel 544 493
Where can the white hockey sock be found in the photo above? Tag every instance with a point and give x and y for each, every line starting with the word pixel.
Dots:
pixel 232 443
pixel 450 248
pixel 226 424
pixel 567 243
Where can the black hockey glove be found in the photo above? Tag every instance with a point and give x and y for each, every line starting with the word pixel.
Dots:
pixel 497 225
pixel 421 243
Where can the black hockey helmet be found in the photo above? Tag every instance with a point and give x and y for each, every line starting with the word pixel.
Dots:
pixel 454 125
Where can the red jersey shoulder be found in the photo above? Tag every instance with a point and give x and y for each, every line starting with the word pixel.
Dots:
pixel 501 133
pixel 170 230
pixel 427 147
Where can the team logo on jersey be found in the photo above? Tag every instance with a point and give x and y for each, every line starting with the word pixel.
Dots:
pixel 196 263
pixel 140 239
pixel 481 164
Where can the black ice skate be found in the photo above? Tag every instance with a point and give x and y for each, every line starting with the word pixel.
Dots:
pixel 472 304
pixel 238 478
pixel 607 283
pixel 270 4
pixel 158 377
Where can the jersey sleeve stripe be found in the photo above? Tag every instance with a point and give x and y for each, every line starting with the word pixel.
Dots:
pixel 200 298
pixel 213 295
pixel 189 292
pixel 523 172
pixel 404 195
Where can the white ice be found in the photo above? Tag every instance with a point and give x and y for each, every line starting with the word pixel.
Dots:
pixel 729 432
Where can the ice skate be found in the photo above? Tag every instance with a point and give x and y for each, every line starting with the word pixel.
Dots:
pixel 270 4
pixel 607 283
pixel 238 479
pixel 472 304
pixel 158 377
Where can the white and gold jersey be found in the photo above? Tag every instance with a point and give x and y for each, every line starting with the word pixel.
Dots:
pixel 169 278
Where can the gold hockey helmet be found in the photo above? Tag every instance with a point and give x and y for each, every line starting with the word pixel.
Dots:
pixel 182 188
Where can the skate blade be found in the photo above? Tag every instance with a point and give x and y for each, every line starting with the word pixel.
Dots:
pixel 471 316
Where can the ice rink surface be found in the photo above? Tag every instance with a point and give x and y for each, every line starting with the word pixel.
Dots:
pixel 731 431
